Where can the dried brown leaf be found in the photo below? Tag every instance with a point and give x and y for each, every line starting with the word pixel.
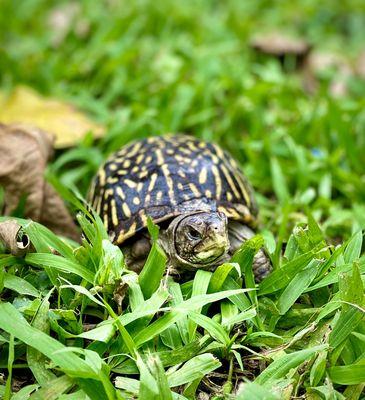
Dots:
pixel 24 153
pixel 14 240
pixel 26 106
pixel 279 45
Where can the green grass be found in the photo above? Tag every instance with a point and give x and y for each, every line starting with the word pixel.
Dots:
pixel 143 68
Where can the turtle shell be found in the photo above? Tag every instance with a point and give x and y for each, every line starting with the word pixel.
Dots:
pixel 165 176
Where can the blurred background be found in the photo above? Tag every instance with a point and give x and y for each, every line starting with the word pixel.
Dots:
pixel 279 84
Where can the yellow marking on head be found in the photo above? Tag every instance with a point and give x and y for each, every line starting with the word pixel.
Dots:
pixel 126 210
pixel 229 180
pixel 136 201
pixel 130 183
pixel 120 192
pixel 114 212
pixel 218 182
pixel 203 176
pixel 169 182
pixel 208 193
pixel 126 164
pixel 143 218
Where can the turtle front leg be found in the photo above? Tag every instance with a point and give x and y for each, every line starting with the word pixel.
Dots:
pixel 239 233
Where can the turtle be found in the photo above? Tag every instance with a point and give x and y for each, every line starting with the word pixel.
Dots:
pixel 194 190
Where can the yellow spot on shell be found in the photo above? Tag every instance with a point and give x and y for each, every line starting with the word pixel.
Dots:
pixel 126 210
pixel 159 195
pixel 194 190
pixel 230 180
pixel 152 183
pixel 120 192
pixel 218 181
pixel 113 167
pixel 208 193
pixel 101 177
pixel 126 164
pixel 203 176
pixel 143 174
pixel 114 213
pixel 136 201
pixel 135 169
pixel 130 183
pixel 229 196
pixel 139 159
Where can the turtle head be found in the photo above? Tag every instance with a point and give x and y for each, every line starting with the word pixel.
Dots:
pixel 200 239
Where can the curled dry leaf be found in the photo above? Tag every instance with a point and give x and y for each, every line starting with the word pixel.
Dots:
pixel 24 152
pixel 13 238
pixel 26 106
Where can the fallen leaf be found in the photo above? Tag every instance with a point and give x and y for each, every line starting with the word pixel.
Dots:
pixel 14 240
pixel 26 106
pixel 279 45
pixel 24 153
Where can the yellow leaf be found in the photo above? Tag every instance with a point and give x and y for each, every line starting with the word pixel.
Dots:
pixel 63 121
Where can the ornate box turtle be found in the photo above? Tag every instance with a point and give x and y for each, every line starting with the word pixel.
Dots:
pixel 194 190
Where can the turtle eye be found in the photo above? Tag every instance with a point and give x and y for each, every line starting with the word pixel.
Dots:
pixel 193 234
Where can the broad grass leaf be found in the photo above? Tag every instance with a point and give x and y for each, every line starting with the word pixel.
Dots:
pixel 348 374
pixel 19 285
pixel 279 278
pixel 193 369
pixel 353 248
pixel 158 372
pixel 176 299
pixel 252 390
pixel 352 292
pixel 212 327
pixel 153 270
pixel 297 286
pixel 52 389
pixel 200 287
pixel 220 275
pixel 281 366
pixel 12 322
pixel 61 264
pixel 36 360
